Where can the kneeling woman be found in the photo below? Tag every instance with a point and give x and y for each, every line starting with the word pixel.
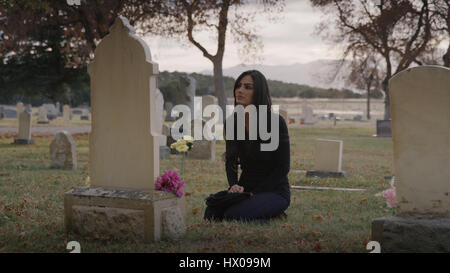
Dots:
pixel 264 173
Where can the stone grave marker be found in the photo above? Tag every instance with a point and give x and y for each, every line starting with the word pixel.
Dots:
pixel 307 115
pixel 420 112
pixel 63 153
pixel 42 118
pixel 383 128
pixel 84 114
pixel 19 108
pixel 328 159
pixel 202 149
pixel 123 147
pixel 67 113
pixel 24 129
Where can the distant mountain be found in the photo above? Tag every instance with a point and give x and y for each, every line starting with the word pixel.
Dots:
pixel 316 73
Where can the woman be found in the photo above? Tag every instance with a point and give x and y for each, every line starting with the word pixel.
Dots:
pixel 264 173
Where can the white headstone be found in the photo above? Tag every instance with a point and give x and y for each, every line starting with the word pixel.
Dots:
pixel 420 113
pixel 25 125
pixel 307 113
pixel 123 145
pixel 328 155
pixel 67 114
pixel 19 108
pixel 42 118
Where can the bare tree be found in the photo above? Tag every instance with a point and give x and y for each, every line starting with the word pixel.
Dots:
pixel 184 18
pixel 397 31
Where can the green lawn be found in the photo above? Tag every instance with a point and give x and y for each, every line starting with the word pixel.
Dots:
pixel 32 206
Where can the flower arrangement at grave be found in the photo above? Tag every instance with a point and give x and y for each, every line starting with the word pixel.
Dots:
pixel 170 181
pixel 183 146
pixel 391 197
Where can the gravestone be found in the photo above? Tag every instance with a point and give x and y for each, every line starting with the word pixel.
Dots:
pixel 63 153
pixel 19 108
pixel 58 108
pixel 84 114
pixel 42 118
pixel 383 128
pixel 24 129
pixel 186 92
pixel 202 149
pixel 123 147
pixel 164 151
pixel 307 115
pixel 420 112
pixel 29 108
pixel 10 113
pixel 67 114
pixel 328 159
pixel 77 111
pixel 1 112
pixel 52 111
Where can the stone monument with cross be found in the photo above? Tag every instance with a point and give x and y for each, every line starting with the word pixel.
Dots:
pixel 121 201
pixel 420 115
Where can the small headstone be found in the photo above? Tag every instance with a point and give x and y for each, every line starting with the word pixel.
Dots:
pixel 1 112
pixel 383 128
pixel 10 113
pixel 19 108
pixel 24 129
pixel 84 115
pixel 307 114
pixel 52 111
pixel 328 159
pixel 202 149
pixel 357 118
pixel 67 114
pixel 29 108
pixel 63 152
pixel 77 111
pixel 42 118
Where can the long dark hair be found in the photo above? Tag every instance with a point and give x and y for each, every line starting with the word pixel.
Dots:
pixel 261 93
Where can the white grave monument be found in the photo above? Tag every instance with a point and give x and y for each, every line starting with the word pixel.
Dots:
pixel 24 129
pixel 67 113
pixel 123 148
pixel 42 118
pixel 328 159
pixel 420 112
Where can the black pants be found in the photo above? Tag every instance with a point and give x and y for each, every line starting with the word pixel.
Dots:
pixel 259 207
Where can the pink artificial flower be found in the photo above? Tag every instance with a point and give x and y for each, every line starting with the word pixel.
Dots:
pixel 391 197
pixel 170 182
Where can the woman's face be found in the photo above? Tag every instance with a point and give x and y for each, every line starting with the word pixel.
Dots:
pixel 244 91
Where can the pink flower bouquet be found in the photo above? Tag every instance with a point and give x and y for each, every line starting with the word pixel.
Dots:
pixel 391 197
pixel 170 181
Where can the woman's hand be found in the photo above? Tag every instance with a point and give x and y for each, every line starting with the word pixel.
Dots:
pixel 236 188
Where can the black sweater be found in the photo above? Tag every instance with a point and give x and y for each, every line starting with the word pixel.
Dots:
pixel 262 171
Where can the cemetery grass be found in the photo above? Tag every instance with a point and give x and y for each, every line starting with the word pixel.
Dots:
pixel 32 201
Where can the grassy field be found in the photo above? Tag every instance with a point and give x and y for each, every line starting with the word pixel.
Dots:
pixel 32 215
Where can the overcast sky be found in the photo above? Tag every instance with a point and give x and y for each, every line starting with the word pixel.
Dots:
pixel 289 40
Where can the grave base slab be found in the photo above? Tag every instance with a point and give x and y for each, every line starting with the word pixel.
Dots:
pixel 412 233
pixel 43 122
pixel 137 215
pixel 326 174
pixel 23 141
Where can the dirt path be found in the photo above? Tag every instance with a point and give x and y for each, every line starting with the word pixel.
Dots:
pixel 46 130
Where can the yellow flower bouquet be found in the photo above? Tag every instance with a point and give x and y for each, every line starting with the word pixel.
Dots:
pixel 183 146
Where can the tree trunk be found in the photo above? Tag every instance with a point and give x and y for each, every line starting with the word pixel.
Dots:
pixel 387 108
pixel 368 101
pixel 219 85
